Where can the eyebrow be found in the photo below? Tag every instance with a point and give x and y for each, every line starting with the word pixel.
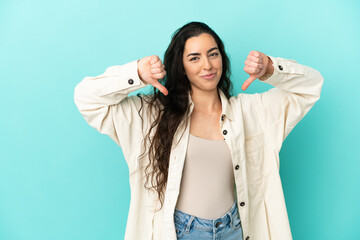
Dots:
pixel 211 49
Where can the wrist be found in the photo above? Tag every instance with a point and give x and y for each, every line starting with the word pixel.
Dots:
pixel 270 67
pixel 138 72
pixel 269 70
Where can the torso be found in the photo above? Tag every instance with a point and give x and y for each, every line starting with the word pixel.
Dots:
pixel 207 187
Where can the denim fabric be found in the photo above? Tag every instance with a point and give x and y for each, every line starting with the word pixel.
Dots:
pixel 227 227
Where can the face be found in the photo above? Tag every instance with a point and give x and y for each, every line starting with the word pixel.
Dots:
pixel 202 57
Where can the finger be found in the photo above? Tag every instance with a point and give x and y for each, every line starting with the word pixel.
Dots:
pixel 253 64
pixel 248 81
pixel 254 59
pixel 161 88
pixel 251 70
pixel 156 65
pixel 154 59
pixel 159 75
pixel 156 70
pixel 255 53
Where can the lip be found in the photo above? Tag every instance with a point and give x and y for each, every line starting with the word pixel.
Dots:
pixel 209 76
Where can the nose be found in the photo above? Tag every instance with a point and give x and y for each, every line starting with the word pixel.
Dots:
pixel 207 64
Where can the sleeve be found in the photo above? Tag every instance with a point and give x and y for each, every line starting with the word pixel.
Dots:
pixel 296 89
pixel 104 103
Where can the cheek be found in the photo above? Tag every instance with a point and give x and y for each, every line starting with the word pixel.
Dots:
pixel 186 68
pixel 220 67
pixel 219 63
pixel 191 69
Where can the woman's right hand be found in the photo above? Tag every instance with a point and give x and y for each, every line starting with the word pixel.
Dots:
pixel 150 70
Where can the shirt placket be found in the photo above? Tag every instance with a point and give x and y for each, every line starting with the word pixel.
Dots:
pixel 236 146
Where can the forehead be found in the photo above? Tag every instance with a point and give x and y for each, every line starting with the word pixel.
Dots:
pixel 200 43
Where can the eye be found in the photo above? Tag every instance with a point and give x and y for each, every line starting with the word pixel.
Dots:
pixel 192 58
pixel 214 53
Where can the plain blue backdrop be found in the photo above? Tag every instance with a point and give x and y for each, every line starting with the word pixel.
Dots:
pixel 61 179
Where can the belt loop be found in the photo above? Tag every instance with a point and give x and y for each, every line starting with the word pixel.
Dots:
pixel 231 221
pixel 189 224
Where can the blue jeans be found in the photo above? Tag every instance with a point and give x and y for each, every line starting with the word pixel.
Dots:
pixel 227 227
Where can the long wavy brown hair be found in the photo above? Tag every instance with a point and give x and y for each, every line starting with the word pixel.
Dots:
pixel 172 109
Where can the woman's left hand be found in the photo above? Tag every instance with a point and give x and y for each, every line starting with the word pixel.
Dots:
pixel 256 65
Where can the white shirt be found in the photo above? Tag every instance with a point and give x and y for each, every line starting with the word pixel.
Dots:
pixel 254 127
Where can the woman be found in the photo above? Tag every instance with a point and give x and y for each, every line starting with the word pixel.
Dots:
pixel 203 164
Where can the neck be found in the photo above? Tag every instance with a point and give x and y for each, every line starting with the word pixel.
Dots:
pixel 206 101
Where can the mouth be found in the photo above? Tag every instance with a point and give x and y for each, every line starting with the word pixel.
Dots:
pixel 209 76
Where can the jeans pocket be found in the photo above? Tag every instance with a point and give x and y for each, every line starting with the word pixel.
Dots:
pixel 180 228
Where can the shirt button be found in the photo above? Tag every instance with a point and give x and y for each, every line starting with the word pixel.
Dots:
pixel 131 81
pixel 237 167
pixel 280 67
pixel 224 132
pixel 242 204
pixel 247 238
pixel 222 117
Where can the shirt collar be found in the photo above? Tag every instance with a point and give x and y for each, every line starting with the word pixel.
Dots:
pixel 225 105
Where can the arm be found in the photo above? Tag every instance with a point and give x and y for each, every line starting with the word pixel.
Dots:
pixel 104 103
pixel 296 89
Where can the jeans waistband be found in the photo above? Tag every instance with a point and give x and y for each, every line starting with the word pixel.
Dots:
pixel 208 223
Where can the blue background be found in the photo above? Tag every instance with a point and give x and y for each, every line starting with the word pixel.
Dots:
pixel 61 179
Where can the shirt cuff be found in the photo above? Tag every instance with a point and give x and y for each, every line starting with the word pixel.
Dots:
pixel 282 67
pixel 122 77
